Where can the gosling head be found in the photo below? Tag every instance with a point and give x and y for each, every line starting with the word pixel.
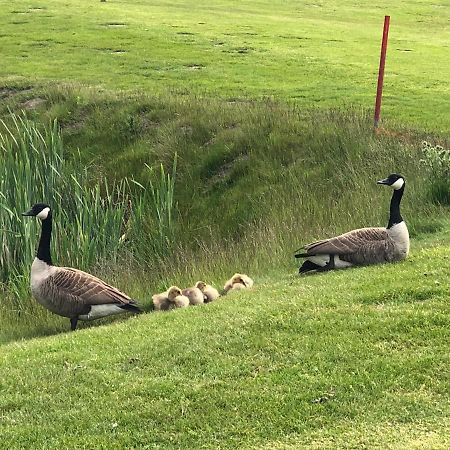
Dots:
pixel 173 292
pixel 200 285
pixel 40 210
pixel 237 278
pixel 395 180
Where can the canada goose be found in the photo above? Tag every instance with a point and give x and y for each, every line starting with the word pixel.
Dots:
pixel 161 302
pixel 238 281
pixel 70 292
pixel 176 297
pixel 195 295
pixel 363 246
pixel 209 293
pixel 172 298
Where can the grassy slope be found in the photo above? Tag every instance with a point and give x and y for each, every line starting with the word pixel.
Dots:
pixel 341 360
pixel 317 53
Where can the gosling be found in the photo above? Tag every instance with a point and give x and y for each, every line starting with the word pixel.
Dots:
pixel 237 282
pixel 171 299
pixel 209 293
pixel 195 296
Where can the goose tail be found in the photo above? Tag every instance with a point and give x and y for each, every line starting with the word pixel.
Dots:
pixel 132 307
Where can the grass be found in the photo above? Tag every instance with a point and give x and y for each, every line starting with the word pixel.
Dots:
pixel 253 182
pixel 322 53
pixel 351 359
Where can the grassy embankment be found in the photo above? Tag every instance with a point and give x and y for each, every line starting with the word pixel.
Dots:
pixel 253 182
pixel 353 359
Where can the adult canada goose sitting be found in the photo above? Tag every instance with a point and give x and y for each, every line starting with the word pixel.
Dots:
pixel 363 246
pixel 195 295
pixel 70 292
pixel 238 281
pixel 209 293
pixel 172 298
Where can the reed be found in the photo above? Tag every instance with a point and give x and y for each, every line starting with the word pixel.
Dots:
pixel 162 194
pixel 89 218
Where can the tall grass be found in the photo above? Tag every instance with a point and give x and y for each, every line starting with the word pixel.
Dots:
pixel 436 160
pixel 162 193
pixel 88 218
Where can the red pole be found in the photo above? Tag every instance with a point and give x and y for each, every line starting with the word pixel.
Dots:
pixel 381 70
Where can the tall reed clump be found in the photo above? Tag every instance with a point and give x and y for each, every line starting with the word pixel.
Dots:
pixel 89 218
pixel 162 193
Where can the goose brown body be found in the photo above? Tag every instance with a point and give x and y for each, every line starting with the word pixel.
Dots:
pixel 71 292
pixel 363 246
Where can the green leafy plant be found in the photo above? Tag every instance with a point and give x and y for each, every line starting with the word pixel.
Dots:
pixel 436 159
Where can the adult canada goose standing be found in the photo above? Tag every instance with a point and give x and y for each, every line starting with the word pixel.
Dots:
pixel 70 292
pixel 209 293
pixel 363 246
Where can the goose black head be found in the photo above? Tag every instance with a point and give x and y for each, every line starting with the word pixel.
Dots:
pixel 40 210
pixel 395 180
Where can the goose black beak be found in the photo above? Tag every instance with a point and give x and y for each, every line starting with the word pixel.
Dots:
pixel 385 181
pixel 28 213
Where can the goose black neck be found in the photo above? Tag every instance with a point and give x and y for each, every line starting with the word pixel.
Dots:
pixel 395 216
pixel 43 252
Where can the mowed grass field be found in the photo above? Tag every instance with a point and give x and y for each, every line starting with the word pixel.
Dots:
pixel 318 53
pixel 346 360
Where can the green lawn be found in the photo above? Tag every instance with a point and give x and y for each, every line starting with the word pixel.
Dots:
pixel 351 359
pixel 321 53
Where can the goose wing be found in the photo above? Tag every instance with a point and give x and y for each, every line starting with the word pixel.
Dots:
pixel 348 243
pixel 84 288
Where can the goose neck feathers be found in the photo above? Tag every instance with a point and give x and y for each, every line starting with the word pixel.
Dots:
pixel 394 212
pixel 43 252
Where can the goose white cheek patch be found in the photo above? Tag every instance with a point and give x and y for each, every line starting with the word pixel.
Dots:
pixel 398 184
pixel 43 214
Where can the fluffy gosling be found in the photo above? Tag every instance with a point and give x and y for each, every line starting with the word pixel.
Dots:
pixel 172 298
pixel 161 302
pixel 195 295
pixel 177 298
pixel 209 293
pixel 238 281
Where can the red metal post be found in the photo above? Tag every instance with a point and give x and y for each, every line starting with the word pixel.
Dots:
pixel 381 70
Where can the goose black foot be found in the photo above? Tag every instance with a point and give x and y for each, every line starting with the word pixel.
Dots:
pixel 308 266
pixel 73 323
